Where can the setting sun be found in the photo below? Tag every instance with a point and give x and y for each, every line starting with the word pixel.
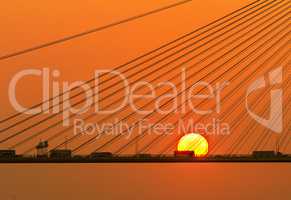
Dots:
pixel 194 142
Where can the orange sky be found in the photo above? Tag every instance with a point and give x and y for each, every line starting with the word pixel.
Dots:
pixel 29 23
pixel 26 23
pixel 32 23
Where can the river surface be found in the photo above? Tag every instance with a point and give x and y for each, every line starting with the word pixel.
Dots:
pixel 146 181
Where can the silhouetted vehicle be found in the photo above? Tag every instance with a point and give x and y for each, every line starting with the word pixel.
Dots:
pixel 143 155
pixel 7 154
pixel 100 155
pixel 61 154
pixel 265 154
pixel 184 153
pixel 79 157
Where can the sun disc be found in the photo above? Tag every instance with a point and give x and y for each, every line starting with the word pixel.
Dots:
pixel 193 142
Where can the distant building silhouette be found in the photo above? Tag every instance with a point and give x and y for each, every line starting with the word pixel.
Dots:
pixel 7 154
pixel 42 149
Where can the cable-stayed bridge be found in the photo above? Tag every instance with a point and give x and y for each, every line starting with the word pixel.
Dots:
pixel 239 48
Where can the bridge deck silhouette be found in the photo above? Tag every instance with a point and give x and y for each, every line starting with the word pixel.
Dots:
pixel 152 159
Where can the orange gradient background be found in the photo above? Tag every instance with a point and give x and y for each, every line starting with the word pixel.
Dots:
pixel 28 23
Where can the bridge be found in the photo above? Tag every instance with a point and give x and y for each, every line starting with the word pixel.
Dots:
pixel 238 48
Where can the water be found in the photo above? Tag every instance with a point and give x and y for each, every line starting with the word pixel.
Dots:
pixel 146 181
